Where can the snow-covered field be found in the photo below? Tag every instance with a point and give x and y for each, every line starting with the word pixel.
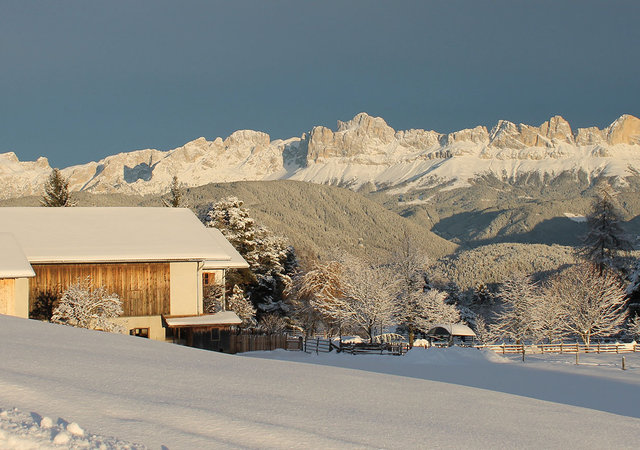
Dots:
pixel 102 390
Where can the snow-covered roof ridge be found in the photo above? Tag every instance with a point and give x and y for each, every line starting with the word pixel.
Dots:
pixel 13 262
pixel 114 234
pixel 219 318
pixel 454 329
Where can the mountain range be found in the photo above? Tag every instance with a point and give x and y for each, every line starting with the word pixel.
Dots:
pixel 362 153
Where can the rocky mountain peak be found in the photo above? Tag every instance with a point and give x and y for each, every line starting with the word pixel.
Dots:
pixel 363 150
pixel 624 130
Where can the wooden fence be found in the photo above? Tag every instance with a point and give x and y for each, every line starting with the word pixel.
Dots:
pixel 240 343
pixel 317 345
pixel 564 348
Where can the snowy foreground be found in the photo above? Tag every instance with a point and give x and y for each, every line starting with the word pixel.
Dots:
pixel 91 389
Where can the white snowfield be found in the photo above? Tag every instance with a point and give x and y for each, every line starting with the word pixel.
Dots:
pixel 156 394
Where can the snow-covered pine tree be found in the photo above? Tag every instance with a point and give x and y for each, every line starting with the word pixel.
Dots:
pixel 56 191
pixel 634 328
pixel 85 306
pixel 482 330
pixel 238 303
pixel 605 237
pixel 517 320
pixel 633 290
pixel 271 259
pixel 176 196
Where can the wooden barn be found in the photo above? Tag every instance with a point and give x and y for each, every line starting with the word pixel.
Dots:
pixel 160 262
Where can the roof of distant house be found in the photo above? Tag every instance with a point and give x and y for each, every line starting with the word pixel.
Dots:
pixel 13 262
pixel 48 235
pixel 454 329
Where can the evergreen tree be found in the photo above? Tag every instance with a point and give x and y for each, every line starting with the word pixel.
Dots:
pixel 605 238
pixel 56 191
pixel 271 259
pixel 175 199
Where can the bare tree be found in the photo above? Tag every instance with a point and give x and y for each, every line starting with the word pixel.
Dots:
pixel 369 294
pixel 592 304
pixel 272 324
pixel 550 322
pixel 56 191
pixel 352 292
pixel 605 237
pixel 317 296
pixel 85 306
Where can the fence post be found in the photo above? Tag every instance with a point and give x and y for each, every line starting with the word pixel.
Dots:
pixel 300 343
pixel 623 364
pixel 317 345
pixel 503 348
pixel 560 347
pixel 617 347
pixel 522 352
pixel 598 347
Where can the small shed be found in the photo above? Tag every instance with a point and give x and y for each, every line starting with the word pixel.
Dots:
pixel 208 331
pixel 450 334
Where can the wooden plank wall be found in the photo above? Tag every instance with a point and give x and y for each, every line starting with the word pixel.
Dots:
pixel 144 288
pixel 7 296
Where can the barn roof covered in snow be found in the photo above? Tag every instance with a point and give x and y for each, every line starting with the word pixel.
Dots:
pixel 13 262
pixel 453 329
pixel 236 261
pixel 48 235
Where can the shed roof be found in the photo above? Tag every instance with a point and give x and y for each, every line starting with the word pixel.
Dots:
pixel 217 319
pixel 454 329
pixel 113 235
pixel 13 262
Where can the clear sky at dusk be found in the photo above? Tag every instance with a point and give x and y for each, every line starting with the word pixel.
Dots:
pixel 82 80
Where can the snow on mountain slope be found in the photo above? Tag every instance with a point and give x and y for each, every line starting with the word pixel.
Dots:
pixel 362 150
pixel 155 394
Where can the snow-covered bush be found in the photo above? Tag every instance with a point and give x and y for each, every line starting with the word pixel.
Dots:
pixel 272 324
pixel 239 304
pixel 85 306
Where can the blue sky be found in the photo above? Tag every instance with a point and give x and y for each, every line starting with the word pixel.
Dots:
pixel 82 80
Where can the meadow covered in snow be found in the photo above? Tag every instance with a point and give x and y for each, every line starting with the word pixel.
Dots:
pixel 98 389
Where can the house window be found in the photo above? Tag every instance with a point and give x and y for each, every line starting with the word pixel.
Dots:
pixel 140 332
pixel 208 278
pixel 215 334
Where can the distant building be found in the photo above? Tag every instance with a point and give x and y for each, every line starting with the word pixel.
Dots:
pixel 160 262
